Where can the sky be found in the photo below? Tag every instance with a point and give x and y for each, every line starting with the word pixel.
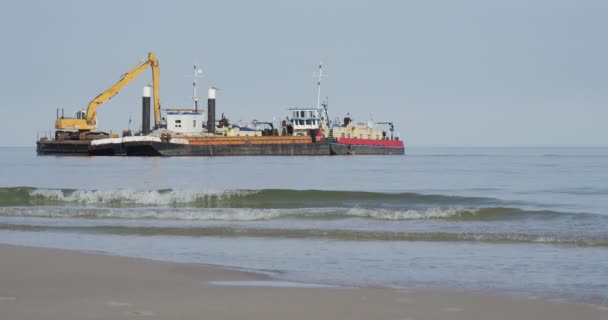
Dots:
pixel 448 73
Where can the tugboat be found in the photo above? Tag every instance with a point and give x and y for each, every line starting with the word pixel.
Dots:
pixel 364 139
pixel 351 138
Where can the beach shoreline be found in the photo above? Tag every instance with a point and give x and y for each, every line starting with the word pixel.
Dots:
pixel 41 283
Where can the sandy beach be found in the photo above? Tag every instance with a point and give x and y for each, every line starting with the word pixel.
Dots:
pixel 37 283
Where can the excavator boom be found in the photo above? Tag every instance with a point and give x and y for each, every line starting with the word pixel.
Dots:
pixel 90 119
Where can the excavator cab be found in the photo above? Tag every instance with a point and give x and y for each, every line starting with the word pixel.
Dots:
pixel 81 114
pixel 78 123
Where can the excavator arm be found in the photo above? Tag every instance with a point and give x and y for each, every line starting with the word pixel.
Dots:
pixel 90 119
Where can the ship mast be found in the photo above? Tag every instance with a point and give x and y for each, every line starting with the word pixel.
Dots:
pixel 320 104
pixel 197 72
pixel 320 76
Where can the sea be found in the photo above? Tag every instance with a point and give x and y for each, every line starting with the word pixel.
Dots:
pixel 529 222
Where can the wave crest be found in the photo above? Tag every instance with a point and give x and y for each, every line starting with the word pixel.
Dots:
pixel 252 214
pixel 265 198
pixel 125 197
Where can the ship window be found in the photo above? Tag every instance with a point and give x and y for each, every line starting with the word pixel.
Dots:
pixel 295 114
pixel 342 135
pixel 360 136
pixel 194 123
pixel 308 122
pixel 348 135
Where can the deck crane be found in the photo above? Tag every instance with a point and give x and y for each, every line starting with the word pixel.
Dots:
pixel 86 121
pixel 265 132
pixel 391 127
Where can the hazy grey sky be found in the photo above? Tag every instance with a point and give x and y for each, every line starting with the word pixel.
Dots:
pixel 449 73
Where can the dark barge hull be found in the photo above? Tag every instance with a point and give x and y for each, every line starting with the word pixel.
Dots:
pixel 353 149
pixel 152 148
pixel 62 147
pixel 108 149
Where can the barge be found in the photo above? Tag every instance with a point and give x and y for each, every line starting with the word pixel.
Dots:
pixel 306 131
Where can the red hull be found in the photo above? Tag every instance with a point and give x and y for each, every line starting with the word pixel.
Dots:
pixel 371 142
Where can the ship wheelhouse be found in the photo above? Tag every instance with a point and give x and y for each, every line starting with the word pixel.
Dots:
pixel 305 118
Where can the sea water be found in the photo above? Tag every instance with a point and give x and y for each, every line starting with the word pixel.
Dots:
pixel 526 221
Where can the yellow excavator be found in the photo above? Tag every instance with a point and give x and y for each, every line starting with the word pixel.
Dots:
pixel 84 122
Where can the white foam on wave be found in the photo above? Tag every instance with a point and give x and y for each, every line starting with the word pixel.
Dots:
pixel 135 197
pixel 144 213
pixel 431 213
pixel 230 214
pixel 534 238
pixel 203 214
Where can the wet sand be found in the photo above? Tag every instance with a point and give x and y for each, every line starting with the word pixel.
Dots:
pixel 38 283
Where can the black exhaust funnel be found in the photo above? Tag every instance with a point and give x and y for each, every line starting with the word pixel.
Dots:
pixel 211 111
pixel 145 110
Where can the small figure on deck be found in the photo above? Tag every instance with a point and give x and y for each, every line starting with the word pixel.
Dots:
pixel 288 126
pixel 347 120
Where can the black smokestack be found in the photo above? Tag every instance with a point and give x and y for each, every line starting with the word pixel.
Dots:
pixel 145 110
pixel 211 111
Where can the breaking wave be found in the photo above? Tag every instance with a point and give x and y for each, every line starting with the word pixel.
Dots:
pixel 265 198
pixel 252 214
pixel 247 205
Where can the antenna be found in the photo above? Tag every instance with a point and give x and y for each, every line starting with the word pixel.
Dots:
pixel 197 73
pixel 325 113
pixel 320 76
